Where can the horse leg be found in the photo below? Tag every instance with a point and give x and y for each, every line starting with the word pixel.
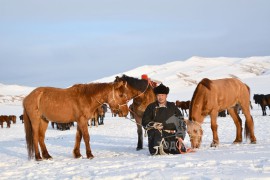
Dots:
pixel 83 126
pixel 263 109
pixel 183 112
pixel 238 124
pixel 96 121
pixel 42 129
pixel 35 129
pixel 186 113
pixel 214 126
pixel 76 150
pixel 139 132
pixel 249 125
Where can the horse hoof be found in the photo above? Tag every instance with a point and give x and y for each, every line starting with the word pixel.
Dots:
pixel 237 142
pixel 138 148
pixel 91 157
pixel 253 142
pixel 39 159
pixel 213 145
pixel 77 156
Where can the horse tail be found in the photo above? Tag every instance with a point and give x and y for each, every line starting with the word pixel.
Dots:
pixel 247 129
pixel 28 134
pixel 249 96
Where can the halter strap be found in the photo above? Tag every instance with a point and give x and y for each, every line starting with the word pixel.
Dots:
pixel 143 91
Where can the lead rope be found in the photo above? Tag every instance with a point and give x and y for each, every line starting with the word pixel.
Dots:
pixel 179 147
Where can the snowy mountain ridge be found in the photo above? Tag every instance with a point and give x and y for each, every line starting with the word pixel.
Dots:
pixel 177 74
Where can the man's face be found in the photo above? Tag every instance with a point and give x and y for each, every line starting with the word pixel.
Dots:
pixel 161 98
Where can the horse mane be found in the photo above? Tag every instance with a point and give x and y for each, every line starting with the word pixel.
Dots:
pixel 204 82
pixel 89 89
pixel 138 84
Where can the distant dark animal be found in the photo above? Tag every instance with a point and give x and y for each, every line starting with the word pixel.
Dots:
pixel 62 126
pixel 143 95
pixel 102 113
pixel 76 103
pixel 263 101
pixel 183 105
pixel 222 113
pixel 212 96
pixel 21 118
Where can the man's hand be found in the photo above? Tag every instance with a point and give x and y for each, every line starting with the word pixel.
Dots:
pixel 158 126
pixel 180 140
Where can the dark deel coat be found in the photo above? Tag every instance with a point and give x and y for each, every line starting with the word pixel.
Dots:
pixel 154 113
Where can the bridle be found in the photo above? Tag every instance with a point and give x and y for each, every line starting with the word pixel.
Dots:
pixel 142 92
pixel 138 95
pixel 113 99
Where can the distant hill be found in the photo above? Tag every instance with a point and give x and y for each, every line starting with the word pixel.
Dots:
pixel 182 76
pixel 13 93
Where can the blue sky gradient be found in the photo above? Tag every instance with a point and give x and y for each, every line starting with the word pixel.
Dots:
pixel 63 42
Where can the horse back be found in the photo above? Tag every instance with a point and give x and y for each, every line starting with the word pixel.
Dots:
pixel 231 88
pixel 218 94
pixel 53 104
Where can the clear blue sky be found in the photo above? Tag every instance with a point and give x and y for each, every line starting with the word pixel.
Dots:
pixel 63 42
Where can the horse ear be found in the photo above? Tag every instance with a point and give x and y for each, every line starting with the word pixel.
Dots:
pixel 119 84
pixel 116 79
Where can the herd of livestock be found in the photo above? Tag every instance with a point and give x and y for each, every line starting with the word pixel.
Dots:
pixel 98 118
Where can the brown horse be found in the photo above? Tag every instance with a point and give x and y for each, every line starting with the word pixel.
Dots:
pixel 76 103
pixel 143 95
pixel 98 112
pixel 5 118
pixel 183 105
pixel 13 118
pixel 212 96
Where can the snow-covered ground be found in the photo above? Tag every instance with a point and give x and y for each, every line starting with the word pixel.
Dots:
pixel 114 143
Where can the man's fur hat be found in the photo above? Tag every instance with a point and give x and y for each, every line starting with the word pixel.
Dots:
pixel 161 89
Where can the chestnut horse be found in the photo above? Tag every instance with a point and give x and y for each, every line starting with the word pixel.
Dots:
pixel 143 95
pixel 98 112
pixel 76 103
pixel 213 96
pixel 5 118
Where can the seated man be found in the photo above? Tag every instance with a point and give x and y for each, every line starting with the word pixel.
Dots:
pixel 165 125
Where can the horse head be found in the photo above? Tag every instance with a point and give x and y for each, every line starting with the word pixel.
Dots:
pixel 195 133
pixel 135 86
pixel 118 98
